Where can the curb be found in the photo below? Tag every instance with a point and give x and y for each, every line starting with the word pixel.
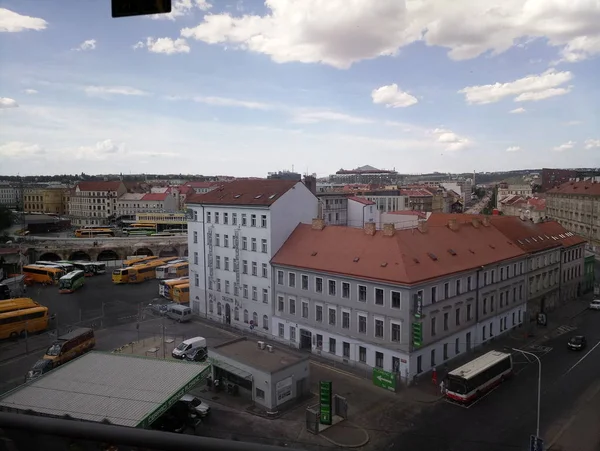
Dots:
pixel 358 445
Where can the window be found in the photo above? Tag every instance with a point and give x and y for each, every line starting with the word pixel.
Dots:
pixel 292 333
pixel 483 332
pixel 345 290
pixel 265 322
pixel 332 287
pixel 244 266
pixel 265 296
pixel 263 221
pixel 281 330
pixel 218 262
pixel 457 316
pixel 379 359
pixel 362 354
pixel 433 326
pixel 433 295
pixel 346 349
pixel 318 284
pixel 457 287
pixel 332 318
pixel 195 258
pixel 280 304
pixel 346 320
pixel 196 280
pixel 260 394
pixel 208 216
pixel 445 351
pixel 446 290
pixel 245 291
pixel 244 219
pixel 225 240
pixel 254 268
pixel 419 364
pixel 304 282
pixel 446 321
pixel 217 239
pixel 254 294
pixel 362 324
pixel 253 245
pixel 225 218
pixel 218 284
pixel 395 299
pixel 216 217
pixel 469 312
pixel 265 272
pixel 457 346
pixel 396 332
pixel 319 341
pixel 263 246
pixel 492 303
pixel 492 274
pixel 332 345
pixel 484 306
pixel 280 277
pixel 432 357
pixel 292 280
pixel 244 243
pixel 379 328
pixel 378 296
pixel 304 309
pixel 485 278
pixel 234 218
pixel 292 306
pixel 226 261
pixel 319 313
pixel 252 220
pixel 469 283
pixel 362 293
pixel 195 237
pixel 227 286
pixel 501 273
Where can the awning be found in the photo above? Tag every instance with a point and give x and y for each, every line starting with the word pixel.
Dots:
pixel 233 370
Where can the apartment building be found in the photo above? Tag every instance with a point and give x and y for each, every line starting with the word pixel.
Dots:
pixel 401 300
pixel 9 195
pixel 95 203
pixel 504 190
pixel 576 206
pixel 533 208
pixel 233 232
pixel 130 204
pixel 333 207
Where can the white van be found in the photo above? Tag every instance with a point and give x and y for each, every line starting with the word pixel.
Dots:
pixel 181 351
pixel 179 313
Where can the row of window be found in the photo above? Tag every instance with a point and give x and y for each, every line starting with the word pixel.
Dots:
pixel 245 289
pixel 226 242
pixel 236 315
pixel 216 219
pixel 228 265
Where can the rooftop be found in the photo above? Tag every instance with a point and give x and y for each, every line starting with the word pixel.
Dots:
pixel 131 196
pixel 261 192
pixel 362 200
pixel 586 188
pixel 99 186
pixel 421 192
pixel 155 197
pixel 419 214
pixel 123 389
pixel 247 352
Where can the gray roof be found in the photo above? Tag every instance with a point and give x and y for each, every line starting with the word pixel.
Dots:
pixel 124 389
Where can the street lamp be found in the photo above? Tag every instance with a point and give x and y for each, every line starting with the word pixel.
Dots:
pixel 539 388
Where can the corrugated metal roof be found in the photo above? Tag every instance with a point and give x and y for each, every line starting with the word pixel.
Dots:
pixel 123 389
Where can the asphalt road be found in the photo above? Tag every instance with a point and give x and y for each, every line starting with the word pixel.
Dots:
pixel 505 419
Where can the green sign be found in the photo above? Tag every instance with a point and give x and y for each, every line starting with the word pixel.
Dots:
pixel 325 402
pixel 384 379
pixel 417 334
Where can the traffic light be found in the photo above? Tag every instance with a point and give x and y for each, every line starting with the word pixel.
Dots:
pixel 417 334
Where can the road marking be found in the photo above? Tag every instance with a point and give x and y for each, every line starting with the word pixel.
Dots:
pixel 581 359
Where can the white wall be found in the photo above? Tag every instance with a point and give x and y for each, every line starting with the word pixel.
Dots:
pixel 359 216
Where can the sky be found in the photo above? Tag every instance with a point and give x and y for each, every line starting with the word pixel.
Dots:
pixel 244 88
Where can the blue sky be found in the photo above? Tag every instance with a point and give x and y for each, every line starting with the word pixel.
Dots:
pixel 247 87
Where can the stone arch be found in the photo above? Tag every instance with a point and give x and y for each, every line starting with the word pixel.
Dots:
pixel 144 251
pixel 168 252
pixel 107 255
pixel 80 255
pixel 50 257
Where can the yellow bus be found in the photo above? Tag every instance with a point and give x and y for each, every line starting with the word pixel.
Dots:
pixel 70 345
pixel 93 233
pixel 10 305
pixel 137 261
pixel 48 275
pixel 121 275
pixel 178 269
pixel 181 293
pixel 15 323
pixel 147 271
pixel 165 287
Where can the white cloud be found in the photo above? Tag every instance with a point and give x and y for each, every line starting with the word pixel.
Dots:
pixel 30 91
pixel 99 151
pixel 518 111
pixel 113 90
pixel 312 117
pixel 571 123
pixel 5 102
pixel 90 44
pixel 531 87
pixel 180 8
pixel 224 101
pixel 566 146
pixel 451 141
pixel 167 46
pixel 340 33
pixel 12 22
pixel 513 149
pixel 392 97
pixel 592 144
pixel 20 149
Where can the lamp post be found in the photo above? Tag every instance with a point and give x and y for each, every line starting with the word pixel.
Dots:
pixel 539 387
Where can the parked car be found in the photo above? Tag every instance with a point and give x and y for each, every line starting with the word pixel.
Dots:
pixel 577 343
pixel 158 308
pixel 196 355
pixel 185 347
pixel 40 367
pixel 595 304
pixel 195 405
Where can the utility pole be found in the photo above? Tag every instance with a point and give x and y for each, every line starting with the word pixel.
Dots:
pixel 26 337
pixel 163 338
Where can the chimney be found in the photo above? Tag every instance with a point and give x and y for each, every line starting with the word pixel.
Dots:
pixel 311 183
pixel 422 226
pixel 318 224
pixel 388 229
pixel 453 224
pixel 370 228
pixel 475 222
pixel 486 221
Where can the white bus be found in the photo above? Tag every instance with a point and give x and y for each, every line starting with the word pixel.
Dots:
pixel 162 272
pixel 99 267
pixel 66 267
pixel 164 286
pixel 474 379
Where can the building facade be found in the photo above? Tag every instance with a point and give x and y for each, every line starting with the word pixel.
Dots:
pixel 10 195
pixel 333 207
pixel 95 203
pixel 233 233
pixel 130 204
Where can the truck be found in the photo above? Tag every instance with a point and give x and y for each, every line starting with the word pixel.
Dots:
pixel 13 287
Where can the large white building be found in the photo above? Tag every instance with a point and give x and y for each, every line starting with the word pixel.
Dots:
pixel 94 203
pixel 130 204
pixel 233 232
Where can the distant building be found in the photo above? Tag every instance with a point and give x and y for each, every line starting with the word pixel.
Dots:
pixel 130 204
pixel 554 177
pixel 365 174
pixel 10 195
pixel 284 175
pixel 95 203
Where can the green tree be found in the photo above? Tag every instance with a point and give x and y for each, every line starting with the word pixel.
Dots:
pixel 6 217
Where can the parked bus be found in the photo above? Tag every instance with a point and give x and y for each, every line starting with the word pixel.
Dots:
pixel 99 267
pixel 181 293
pixel 90 268
pixel 121 275
pixel 71 282
pixel 138 231
pixel 48 275
pixel 474 379
pixel 165 287
pixel 70 345
pixel 93 233
pixel 137 261
pixel 147 271
pixel 11 305
pixel 19 323
pixel 144 225
pixel 180 269
pixel 87 268
pixel 169 271
pixel 66 267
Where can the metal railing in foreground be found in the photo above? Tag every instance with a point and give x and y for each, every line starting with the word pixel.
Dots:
pixel 32 426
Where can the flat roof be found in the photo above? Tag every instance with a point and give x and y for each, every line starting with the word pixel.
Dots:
pixel 126 390
pixel 481 363
pixel 248 353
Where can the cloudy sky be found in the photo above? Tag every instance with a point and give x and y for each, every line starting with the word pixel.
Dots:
pixel 248 87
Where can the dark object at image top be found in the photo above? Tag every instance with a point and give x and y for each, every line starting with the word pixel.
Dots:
pixel 128 8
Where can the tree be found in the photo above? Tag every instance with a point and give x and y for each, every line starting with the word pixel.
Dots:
pixel 6 217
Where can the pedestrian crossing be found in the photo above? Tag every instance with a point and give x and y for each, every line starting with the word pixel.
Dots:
pixel 564 329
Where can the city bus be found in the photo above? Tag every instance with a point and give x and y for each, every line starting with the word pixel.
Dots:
pixel 121 275
pixel 477 377
pixel 19 323
pixel 181 293
pixel 10 305
pixel 165 287
pixel 146 271
pixel 169 271
pixel 71 282
pixel 70 345
pixel 48 275
pixel 99 267
pixel 87 267
pixel 93 233
pixel 67 267
pixel 138 231
pixel 180 269
pixel 138 261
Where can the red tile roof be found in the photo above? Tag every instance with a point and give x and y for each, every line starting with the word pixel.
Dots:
pixel 99 186
pixel 195 184
pixel 536 203
pixel 155 197
pixel 245 192
pixel 554 230
pixel 586 188
pixel 421 192
pixel 407 257
pixel 362 200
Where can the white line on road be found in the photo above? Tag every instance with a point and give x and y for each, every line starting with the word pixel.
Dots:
pixel 581 359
